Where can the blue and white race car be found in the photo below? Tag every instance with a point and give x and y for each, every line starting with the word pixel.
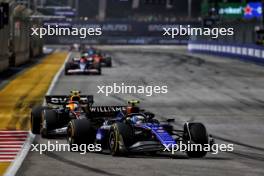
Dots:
pixel 83 65
pixel 132 130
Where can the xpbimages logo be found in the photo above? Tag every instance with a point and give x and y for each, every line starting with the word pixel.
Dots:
pixel 183 30
pixel 65 31
pixel 191 147
pixel 60 147
pixel 132 89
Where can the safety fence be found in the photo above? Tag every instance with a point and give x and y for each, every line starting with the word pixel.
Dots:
pixel 247 52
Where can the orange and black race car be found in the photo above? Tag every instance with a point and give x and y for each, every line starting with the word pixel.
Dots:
pixel 52 119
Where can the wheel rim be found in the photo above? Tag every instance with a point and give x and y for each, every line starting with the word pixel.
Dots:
pixel 111 141
pixel 42 121
pixel 70 135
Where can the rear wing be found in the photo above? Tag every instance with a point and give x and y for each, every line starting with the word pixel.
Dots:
pixel 63 99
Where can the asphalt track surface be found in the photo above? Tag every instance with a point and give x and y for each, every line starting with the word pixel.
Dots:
pixel 225 94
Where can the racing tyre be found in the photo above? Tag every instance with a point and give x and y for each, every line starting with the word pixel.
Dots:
pixel 99 71
pixel 120 138
pixel 98 67
pixel 67 67
pixel 49 121
pixel 80 131
pixel 35 119
pixel 108 62
pixel 197 135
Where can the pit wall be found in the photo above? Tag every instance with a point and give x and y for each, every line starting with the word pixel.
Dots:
pixel 246 52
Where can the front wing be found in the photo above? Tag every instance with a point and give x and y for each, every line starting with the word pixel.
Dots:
pixel 79 71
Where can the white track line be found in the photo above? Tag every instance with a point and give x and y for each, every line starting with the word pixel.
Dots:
pixel 15 165
pixel 11 146
pixel 8 153
pixel 10 149
pixel 16 135
pixel 2 161
pixel 12 139
pixel 11 142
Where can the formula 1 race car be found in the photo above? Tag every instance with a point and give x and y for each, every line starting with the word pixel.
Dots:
pixel 52 120
pixel 83 65
pixel 104 59
pixel 134 130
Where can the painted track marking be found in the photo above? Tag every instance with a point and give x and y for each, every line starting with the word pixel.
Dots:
pixel 11 142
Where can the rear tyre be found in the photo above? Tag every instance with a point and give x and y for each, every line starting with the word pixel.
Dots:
pixel 108 62
pixel 35 119
pixel 120 138
pixel 98 67
pixel 99 71
pixel 67 67
pixel 80 131
pixel 49 121
pixel 198 135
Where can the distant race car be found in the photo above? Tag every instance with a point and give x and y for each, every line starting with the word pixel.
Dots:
pixel 133 130
pixel 83 65
pixel 52 119
pixel 104 59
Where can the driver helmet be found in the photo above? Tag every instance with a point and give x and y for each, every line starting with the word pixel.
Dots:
pixel 75 96
pixel 137 119
pixel 132 107
pixel 91 52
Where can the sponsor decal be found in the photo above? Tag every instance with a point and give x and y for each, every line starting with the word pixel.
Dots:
pixel 107 109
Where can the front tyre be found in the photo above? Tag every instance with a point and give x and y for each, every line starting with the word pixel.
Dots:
pixel 120 138
pixel 108 62
pixel 98 67
pixel 67 67
pixel 196 133
pixel 80 131
pixel 99 71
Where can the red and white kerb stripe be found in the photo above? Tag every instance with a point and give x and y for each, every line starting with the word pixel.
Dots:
pixel 11 142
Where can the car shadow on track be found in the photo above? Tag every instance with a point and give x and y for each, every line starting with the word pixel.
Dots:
pixel 166 156
pixel 80 165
